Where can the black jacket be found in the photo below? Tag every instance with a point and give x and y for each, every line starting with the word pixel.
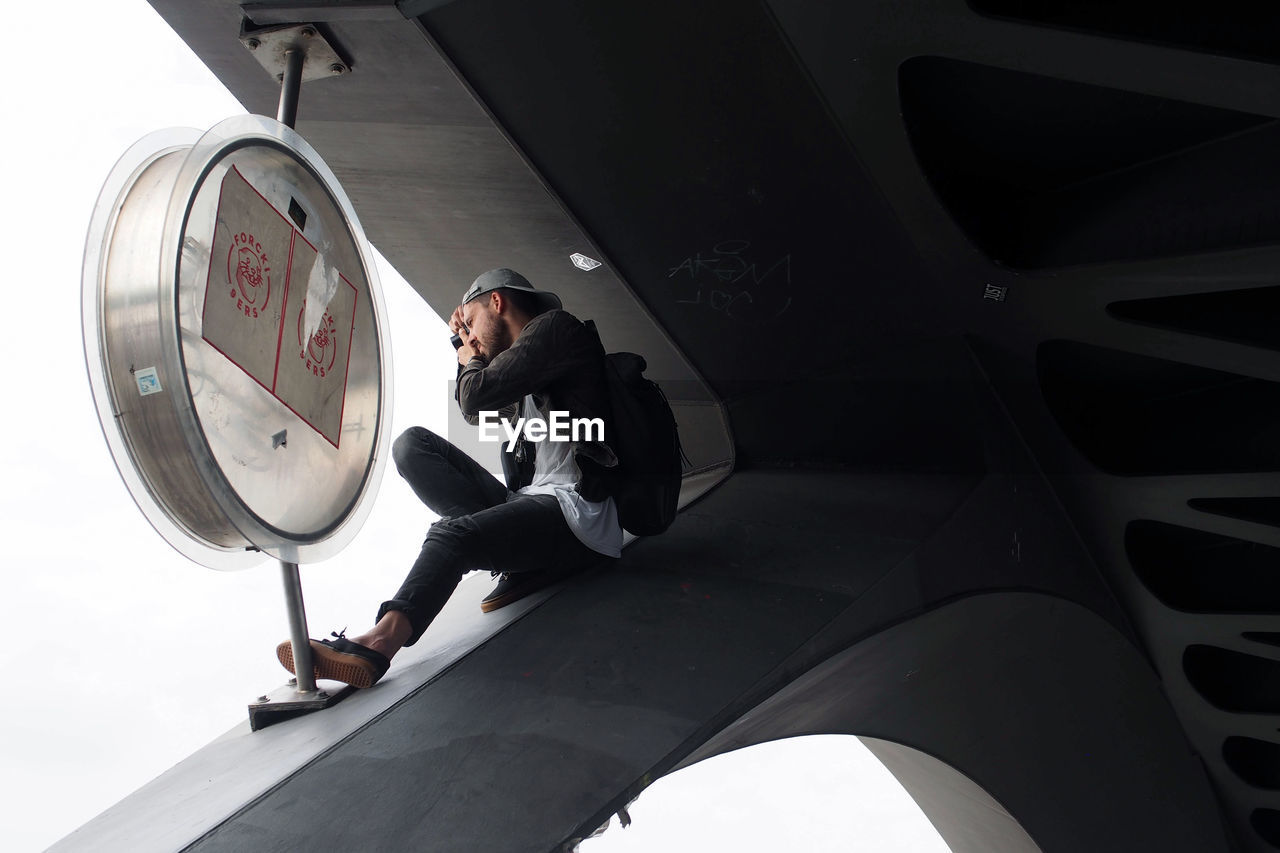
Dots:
pixel 560 362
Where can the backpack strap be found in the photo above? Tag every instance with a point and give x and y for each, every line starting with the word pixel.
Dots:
pixel 629 365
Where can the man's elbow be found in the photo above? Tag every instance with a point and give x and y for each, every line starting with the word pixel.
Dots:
pixel 471 416
pixel 466 401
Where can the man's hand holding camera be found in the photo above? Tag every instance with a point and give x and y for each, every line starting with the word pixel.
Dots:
pixel 462 335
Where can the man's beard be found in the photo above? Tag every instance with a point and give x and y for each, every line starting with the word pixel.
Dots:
pixel 496 342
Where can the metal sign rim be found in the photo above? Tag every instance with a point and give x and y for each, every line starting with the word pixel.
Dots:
pixel 204 151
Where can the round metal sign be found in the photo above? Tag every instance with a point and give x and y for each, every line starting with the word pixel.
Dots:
pixel 236 343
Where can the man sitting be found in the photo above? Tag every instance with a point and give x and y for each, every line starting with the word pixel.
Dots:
pixel 521 354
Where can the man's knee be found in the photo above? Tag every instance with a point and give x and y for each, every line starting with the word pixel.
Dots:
pixel 456 545
pixel 456 532
pixel 411 443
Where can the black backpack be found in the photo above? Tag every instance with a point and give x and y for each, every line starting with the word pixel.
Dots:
pixel 644 437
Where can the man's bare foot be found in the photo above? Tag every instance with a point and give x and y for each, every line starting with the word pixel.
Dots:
pixel 388 636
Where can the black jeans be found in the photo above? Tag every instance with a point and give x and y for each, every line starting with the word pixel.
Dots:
pixel 481 526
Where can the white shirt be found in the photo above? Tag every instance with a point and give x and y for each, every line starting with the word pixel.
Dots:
pixel 555 472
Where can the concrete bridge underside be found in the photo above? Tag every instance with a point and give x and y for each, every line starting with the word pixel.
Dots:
pixel 968 311
pixel 856 619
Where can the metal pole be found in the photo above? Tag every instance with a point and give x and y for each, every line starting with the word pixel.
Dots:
pixel 303 667
pixel 290 84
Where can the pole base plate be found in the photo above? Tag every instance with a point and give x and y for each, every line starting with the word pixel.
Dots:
pixel 269 45
pixel 286 702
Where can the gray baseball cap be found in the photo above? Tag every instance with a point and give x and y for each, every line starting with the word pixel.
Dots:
pixel 500 278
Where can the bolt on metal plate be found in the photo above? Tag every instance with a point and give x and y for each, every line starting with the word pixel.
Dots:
pixel 269 45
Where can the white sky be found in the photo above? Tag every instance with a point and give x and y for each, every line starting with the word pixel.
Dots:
pixel 123 657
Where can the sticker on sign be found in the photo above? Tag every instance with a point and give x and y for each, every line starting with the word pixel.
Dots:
pixel 582 262
pixel 148 381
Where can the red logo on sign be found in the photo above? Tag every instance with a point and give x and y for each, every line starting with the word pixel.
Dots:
pixel 248 275
pixel 321 348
